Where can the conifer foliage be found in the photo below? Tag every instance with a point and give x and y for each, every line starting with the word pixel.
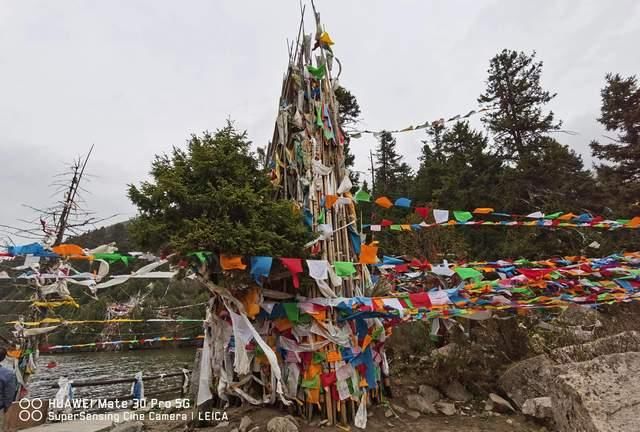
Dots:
pixel 211 196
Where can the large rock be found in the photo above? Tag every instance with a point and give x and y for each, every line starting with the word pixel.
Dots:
pixel 420 404
pixel 531 378
pixel 598 395
pixel 527 379
pixel 456 391
pixel 429 393
pixel 281 424
pixel 446 408
pixel 620 343
pixel 540 408
pixel 245 423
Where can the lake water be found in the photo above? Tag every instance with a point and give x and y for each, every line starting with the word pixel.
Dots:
pixel 91 366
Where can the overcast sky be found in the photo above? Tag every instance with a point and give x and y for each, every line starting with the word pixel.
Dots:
pixel 138 77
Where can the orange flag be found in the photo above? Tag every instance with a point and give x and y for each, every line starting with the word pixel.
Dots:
pixel 232 262
pixel 566 216
pixel 483 210
pixel 383 201
pixel 634 223
pixel 368 254
pixel 68 249
pixel 330 200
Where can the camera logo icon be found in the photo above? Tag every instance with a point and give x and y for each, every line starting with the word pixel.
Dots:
pixel 30 410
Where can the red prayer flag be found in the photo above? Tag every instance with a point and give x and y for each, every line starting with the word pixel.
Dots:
pixel 294 265
pixel 420 300
pixel 423 212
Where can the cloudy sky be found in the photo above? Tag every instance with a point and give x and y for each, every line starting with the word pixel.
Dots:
pixel 138 77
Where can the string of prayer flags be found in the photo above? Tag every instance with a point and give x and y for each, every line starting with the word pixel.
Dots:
pixel 232 262
pixel 260 268
pixel 294 265
pixel 438 122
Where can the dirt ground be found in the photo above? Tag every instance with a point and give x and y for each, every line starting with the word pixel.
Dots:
pixel 470 418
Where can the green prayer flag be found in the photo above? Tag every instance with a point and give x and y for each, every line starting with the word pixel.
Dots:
pixel 319 116
pixel 462 216
pixel 317 72
pixel 395 227
pixel 344 268
pixel 362 196
pixel 312 383
pixel 553 215
pixel 113 257
pixel 321 217
pixel 328 134
pixel 292 311
pixel 305 319
pixel 319 357
pixel 468 273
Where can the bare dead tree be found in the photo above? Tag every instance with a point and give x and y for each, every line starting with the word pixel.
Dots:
pixel 67 215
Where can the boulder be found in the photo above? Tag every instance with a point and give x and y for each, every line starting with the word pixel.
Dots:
pixel 448 350
pixel 628 341
pixel 281 424
pixel 446 408
pixel 597 395
pixel 527 379
pixel 538 407
pixel 456 391
pixel 429 393
pixel 531 378
pixel 398 409
pixel 245 423
pixel 413 414
pixel 420 404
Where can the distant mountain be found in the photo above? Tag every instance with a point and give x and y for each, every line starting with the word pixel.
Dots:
pixel 118 233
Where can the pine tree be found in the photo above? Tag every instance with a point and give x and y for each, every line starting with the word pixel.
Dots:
pixel 517 99
pixel 388 165
pixel 471 172
pixel 432 167
pixel 620 172
pixel 211 196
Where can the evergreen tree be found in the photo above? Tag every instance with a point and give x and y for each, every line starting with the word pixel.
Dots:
pixel 542 174
pixel 212 197
pixel 432 169
pixel 470 173
pixel 348 115
pixel 620 172
pixel 388 167
pixel 517 99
